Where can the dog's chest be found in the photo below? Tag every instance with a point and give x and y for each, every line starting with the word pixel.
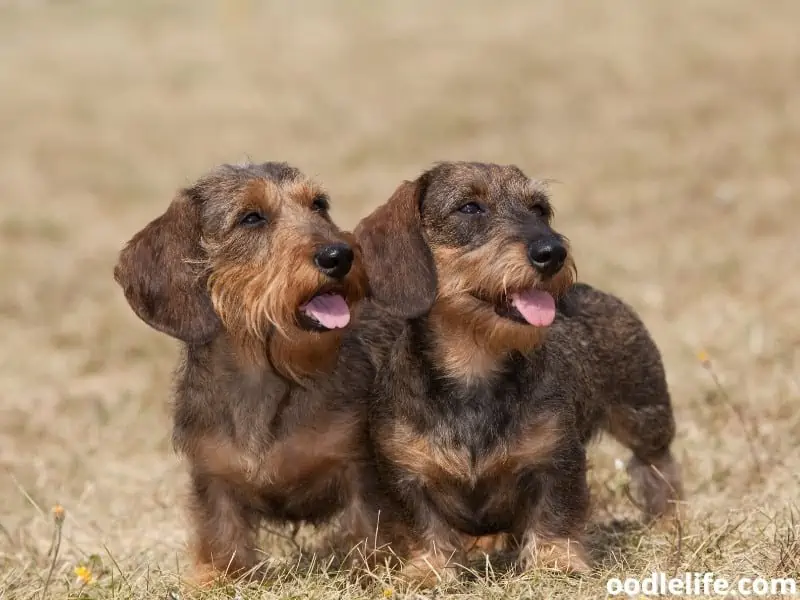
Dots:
pixel 469 447
pixel 313 450
pixel 307 456
pixel 432 461
pixel 458 440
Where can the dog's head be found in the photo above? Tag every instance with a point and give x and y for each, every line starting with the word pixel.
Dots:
pixel 473 242
pixel 250 250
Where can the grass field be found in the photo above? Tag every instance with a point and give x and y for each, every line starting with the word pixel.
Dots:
pixel 673 130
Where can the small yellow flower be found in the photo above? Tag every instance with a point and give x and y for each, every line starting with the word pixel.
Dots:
pixel 83 574
pixel 388 593
pixel 704 358
pixel 58 513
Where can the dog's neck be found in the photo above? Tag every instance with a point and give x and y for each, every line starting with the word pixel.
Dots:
pixel 220 378
pixel 459 355
pixel 240 363
pixel 297 360
pixel 471 351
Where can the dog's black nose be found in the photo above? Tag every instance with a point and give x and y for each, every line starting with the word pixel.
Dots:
pixel 334 260
pixel 547 255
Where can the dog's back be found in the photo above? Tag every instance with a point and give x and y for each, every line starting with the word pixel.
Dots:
pixel 603 337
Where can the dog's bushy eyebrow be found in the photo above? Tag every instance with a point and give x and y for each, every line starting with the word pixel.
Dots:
pixel 538 189
pixel 541 197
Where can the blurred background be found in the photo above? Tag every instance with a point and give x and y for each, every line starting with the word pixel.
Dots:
pixel 672 130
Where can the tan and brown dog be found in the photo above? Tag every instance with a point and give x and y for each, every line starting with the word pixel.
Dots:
pixel 247 269
pixel 494 370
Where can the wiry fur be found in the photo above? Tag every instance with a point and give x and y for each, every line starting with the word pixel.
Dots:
pixel 478 423
pixel 258 412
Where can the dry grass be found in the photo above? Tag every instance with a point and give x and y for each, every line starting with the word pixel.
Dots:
pixel 674 129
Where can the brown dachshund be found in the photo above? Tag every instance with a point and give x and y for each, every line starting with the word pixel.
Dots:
pixel 247 269
pixel 494 370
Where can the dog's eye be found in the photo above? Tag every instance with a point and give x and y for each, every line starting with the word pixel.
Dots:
pixel 252 218
pixel 320 204
pixel 471 208
pixel 540 210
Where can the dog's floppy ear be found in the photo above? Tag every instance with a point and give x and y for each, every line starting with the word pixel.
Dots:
pixel 158 271
pixel 400 268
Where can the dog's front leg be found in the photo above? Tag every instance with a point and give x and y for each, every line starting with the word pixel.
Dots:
pixel 360 534
pixel 224 530
pixel 434 550
pixel 551 530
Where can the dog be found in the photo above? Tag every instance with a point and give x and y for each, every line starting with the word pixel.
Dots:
pixel 494 370
pixel 248 271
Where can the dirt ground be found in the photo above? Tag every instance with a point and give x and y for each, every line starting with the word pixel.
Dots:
pixel 673 130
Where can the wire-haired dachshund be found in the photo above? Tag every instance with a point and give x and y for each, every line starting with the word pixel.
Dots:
pixel 494 370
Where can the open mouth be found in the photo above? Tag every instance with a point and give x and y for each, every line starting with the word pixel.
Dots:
pixel 325 311
pixel 531 307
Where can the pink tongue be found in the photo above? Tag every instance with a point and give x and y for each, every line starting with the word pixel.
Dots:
pixel 330 310
pixel 537 307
